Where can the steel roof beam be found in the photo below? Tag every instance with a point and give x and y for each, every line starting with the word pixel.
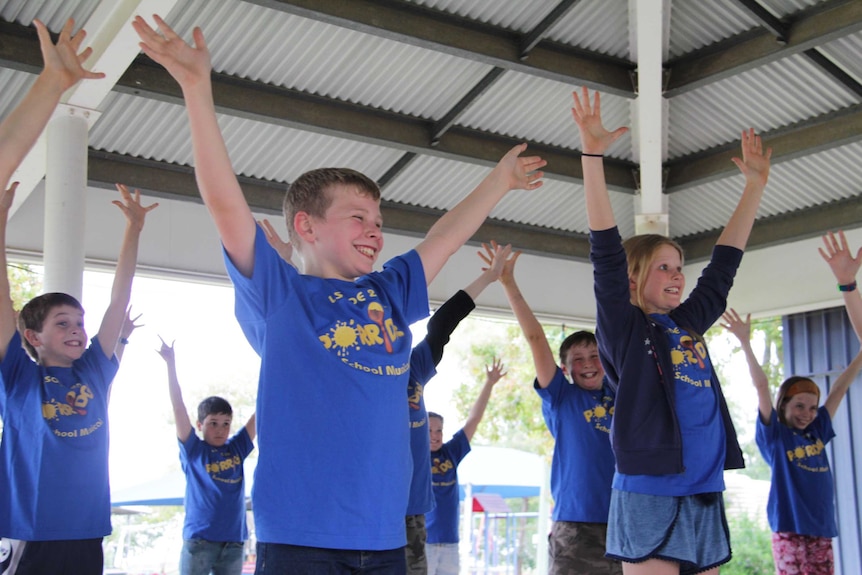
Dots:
pixel 441 32
pixel 774 25
pixel 19 49
pixel 802 139
pixel 811 28
pixel 785 228
pixel 162 179
pixel 531 39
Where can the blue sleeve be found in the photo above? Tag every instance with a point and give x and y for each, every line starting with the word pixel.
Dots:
pixel 258 296
pixel 101 368
pixel 554 392
pixel 405 274
pixel 822 425
pixel 766 436
pixel 241 444
pixel 458 447
pixel 15 363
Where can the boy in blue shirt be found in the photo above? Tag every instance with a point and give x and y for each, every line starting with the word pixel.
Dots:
pixel 331 485
pixel 578 415
pixel 55 501
pixel 214 530
pixel 441 546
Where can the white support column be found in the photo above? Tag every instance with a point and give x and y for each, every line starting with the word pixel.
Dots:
pixel 649 113
pixel 115 46
pixel 65 202
pixel 465 548
pixel 543 523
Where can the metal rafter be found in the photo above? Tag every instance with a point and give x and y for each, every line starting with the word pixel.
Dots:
pixel 166 180
pixel 810 29
pixel 435 30
pixel 19 49
pixel 802 139
pixel 531 39
pixel 780 30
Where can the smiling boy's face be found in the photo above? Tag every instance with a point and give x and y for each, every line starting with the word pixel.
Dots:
pixel 435 427
pixel 62 339
pixel 583 365
pixel 346 241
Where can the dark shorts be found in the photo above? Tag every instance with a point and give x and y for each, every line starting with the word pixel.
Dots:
pixel 78 556
pixel 417 562
pixel 282 559
pixel 690 530
pixel 579 549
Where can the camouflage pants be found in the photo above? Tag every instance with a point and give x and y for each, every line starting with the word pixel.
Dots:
pixel 417 563
pixel 579 549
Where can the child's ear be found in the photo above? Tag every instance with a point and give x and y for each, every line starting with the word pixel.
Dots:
pixel 32 337
pixel 199 425
pixel 633 283
pixel 304 226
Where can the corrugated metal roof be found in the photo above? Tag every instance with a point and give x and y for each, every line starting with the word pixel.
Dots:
pixel 538 110
pixel 600 26
pixel 695 23
pixel 847 53
pixel 15 85
pixel 53 13
pixel 281 49
pixel 510 14
pixel 766 98
pixel 805 182
pixel 158 130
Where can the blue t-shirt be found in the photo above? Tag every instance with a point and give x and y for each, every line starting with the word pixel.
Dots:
pixel 801 496
pixel 442 522
pixel 54 453
pixel 422 369
pixel 333 433
pixel 583 463
pixel 697 409
pixel 215 488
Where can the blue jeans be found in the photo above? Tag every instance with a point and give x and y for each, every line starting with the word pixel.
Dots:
pixel 201 557
pixel 282 559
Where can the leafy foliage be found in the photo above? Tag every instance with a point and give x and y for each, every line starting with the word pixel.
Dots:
pixel 752 548
pixel 25 283
pixel 514 414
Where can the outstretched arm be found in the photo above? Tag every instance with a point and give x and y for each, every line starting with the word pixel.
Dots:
pixel 63 69
pixel 190 67
pixel 543 356
pixel 742 330
pixel 595 140
pixel 7 312
pixel 459 224
pixel 449 315
pixel 181 414
pixel 845 268
pixel 842 384
pixel 493 373
pixel 121 291
pixel 754 165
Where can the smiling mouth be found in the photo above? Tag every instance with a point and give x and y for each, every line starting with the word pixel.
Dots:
pixel 366 251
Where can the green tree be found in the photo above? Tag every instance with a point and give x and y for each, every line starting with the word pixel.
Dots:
pixel 752 548
pixel 514 414
pixel 25 283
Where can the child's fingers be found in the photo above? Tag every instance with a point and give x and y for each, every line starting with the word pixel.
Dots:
pixel 166 30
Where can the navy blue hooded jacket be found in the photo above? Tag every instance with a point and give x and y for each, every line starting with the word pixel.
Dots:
pixel 634 350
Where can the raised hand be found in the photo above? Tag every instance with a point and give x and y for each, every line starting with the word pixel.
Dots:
pixel 754 163
pixel 166 351
pixel 131 207
pixel 837 254
pixel 495 257
pixel 494 372
pixel 595 139
pixel 737 326
pixel 284 249
pixel 130 324
pixel 186 64
pixel 62 60
pixel 521 173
